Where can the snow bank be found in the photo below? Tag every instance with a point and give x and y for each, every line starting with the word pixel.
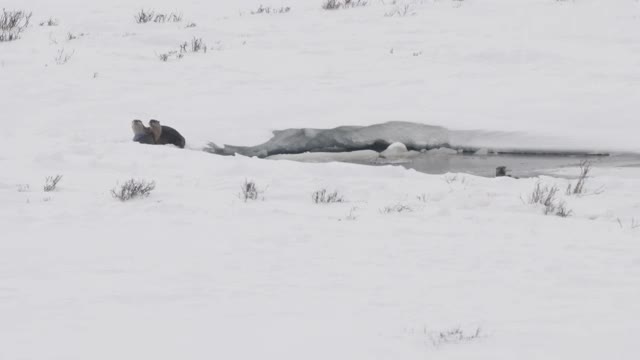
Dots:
pixel 396 138
pixel 342 139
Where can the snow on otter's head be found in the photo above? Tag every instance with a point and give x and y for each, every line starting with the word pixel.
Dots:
pixel 156 128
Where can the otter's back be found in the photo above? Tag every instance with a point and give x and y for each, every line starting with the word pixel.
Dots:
pixel 170 135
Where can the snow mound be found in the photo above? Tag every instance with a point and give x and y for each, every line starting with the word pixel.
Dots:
pixel 395 149
pixel 397 138
pixel 343 139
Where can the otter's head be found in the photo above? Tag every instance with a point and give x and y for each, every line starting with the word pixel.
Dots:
pixel 138 127
pixel 156 128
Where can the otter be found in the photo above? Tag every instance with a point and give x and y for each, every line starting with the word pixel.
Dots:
pixel 165 134
pixel 141 133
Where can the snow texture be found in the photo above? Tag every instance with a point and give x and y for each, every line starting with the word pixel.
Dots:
pixel 194 272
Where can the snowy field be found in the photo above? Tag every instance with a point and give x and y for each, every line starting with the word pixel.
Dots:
pixel 408 266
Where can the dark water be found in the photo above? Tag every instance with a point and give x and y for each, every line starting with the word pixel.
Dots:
pixel 520 165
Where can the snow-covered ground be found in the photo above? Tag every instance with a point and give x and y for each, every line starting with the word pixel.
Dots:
pixel 194 272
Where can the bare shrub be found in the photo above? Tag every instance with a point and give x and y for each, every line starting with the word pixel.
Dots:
pixel 171 17
pixel 271 10
pixel 132 189
pixel 450 179
pixel 400 11
pixel 423 197
pixel 562 211
pixel 13 23
pixel 171 54
pixel 63 56
pixel 331 5
pixel 351 216
pixel 160 18
pixel 50 22
pixel 543 195
pixel 343 4
pixel 633 224
pixel 51 182
pixel 579 187
pixel 191 25
pixel 198 45
pixel 547 197
pixel 72 36
pixel 23 187
pixel 194 46
pixel 145 16
pixel 184 47
pixel 322 196
pixel 454 336
pixel 249 191
pixel 174 17
pixel 397 208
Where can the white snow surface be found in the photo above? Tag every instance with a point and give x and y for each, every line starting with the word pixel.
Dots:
pixel 194 272
pixel 395 149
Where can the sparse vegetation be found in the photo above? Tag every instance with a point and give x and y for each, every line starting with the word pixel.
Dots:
pixel 12 24
pixel 352 214
pixel 132 189
pixel 450 179
pixel 579 187
pixel 271 10
pixel 322 196
pixel 23 187
pixel 198 45
pixel 547 197
pixel 168 55
pixel 72 36
pixel 400 11
pixel 63 56
pixel 50 22
pixel 343 4
pixel 397 208
pixel 543 195
pixel 454 336
pixel 632 224
pixel 562 211
pixel 51 182
pixel 250 191
pixel 145 16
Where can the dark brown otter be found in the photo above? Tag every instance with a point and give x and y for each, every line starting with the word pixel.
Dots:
pixel 166 135
pixel 141 133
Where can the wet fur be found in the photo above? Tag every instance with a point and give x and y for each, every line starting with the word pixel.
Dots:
pixel 141 133
pixel 166 135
